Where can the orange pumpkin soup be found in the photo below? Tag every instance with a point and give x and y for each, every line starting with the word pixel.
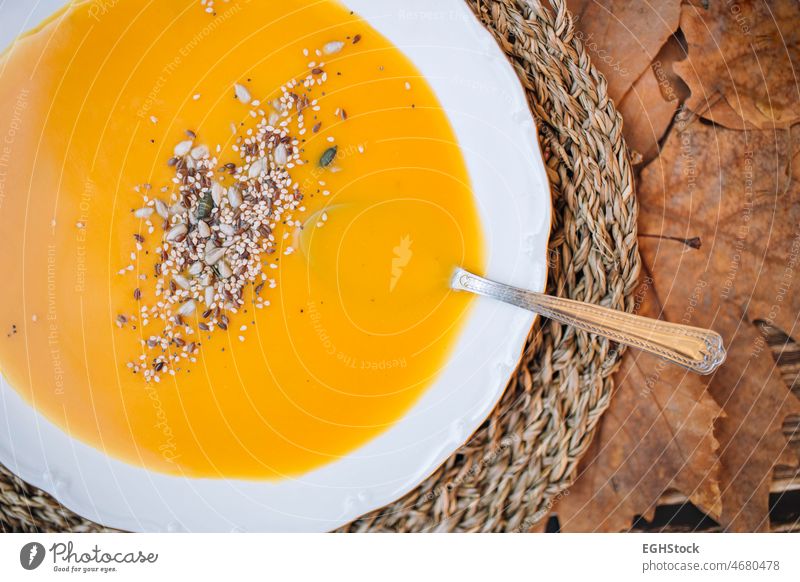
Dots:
pixel 344 316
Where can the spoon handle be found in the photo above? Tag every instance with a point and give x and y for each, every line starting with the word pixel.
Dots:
pixel 699 350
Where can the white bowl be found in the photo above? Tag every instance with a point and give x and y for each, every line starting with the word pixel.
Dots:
pixel 488 110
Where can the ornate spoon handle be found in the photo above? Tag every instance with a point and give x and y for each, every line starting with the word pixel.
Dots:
pixel 699 350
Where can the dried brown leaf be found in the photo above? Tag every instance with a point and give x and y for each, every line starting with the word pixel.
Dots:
pixel 647 115
pixel 650 105
pixel 673 88
pixel 657 435
pixel 731 192
pixel 744 62
pixel 734 191
pixel 622 37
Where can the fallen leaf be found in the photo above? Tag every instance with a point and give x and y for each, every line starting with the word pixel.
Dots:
pixel 672 87
pixel 622 38
pixel 650 105
pixel 656 435
pixel 720 240
pixel 733 192
pixel 743 62
pixel 646 115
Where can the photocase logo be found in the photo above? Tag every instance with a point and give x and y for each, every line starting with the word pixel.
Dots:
pixel 402 256
pixel 31 555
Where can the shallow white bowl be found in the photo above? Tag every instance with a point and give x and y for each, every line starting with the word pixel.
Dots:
pixel 486 105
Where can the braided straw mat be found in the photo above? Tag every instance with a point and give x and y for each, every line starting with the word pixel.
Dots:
pixel 526 454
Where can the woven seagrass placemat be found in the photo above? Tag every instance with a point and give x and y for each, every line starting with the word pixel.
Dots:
pixel 506 477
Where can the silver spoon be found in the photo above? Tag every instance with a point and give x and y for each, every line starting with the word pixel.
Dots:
pixel 699 350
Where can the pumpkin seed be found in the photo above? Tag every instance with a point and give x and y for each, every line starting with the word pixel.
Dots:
pixel 205 206
pixel 328 157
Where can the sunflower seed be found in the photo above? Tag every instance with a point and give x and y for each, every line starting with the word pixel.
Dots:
pixel 224 269
pixel 257 168
pixel 177 233
pixel 162 209
pixel 213 255
pixel 242 94
pixel 209 296
pixel 182 282
pixel 187 308
pixel 203 229
pixel 217 191
pixel 333 47
pixel 234 197
pixel 281 155
pixel 200 152
pixel 183 148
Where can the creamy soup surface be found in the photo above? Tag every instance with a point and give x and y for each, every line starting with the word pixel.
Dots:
pixel 359 319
